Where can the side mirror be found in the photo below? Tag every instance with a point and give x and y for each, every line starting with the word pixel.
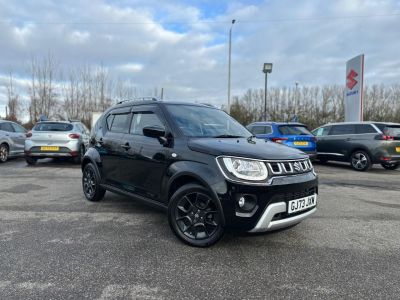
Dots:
pixel 156 132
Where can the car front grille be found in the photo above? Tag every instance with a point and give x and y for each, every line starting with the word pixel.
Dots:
pixel 291 167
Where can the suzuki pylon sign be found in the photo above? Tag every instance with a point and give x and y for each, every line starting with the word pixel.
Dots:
pixel 353 100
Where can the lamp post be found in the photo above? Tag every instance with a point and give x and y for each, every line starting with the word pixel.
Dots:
pixel 296 98
pixel 266 69
pixel 229 67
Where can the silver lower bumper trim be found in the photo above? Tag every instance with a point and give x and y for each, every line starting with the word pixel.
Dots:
pixel 266 224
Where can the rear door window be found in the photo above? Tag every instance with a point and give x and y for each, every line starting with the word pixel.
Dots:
pixel 294 130
pixel 6 127
pixel 120 123
pixel 18 128
pixel 364 128
pixel 342 129
pixel 48 126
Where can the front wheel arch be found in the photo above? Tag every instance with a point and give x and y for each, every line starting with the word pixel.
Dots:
pixel 184 178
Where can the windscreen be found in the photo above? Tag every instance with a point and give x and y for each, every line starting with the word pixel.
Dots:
pixel 56 126
pixel 294 130
pixel 198 121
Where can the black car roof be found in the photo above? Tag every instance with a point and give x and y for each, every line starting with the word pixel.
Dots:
pixel 158 102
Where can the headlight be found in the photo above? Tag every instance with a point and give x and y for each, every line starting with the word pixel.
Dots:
pixel 246 169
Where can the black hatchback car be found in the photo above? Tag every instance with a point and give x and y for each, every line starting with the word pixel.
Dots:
pixel 200 165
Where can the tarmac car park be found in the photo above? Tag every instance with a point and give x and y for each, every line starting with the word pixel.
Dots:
pixel 56 245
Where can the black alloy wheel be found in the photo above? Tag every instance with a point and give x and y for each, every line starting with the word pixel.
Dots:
pixel 3 153
pixel 390 166
pixel 194 216
pixel 360 161
pixel 91 184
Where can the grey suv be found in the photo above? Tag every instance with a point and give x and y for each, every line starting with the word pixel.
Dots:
pixel 12 139
pixel 361 143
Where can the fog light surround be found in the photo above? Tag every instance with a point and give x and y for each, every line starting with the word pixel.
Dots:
pixel 246 205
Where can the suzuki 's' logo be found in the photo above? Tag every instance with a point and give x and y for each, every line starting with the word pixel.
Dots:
pixel 351 81
pixel 297 166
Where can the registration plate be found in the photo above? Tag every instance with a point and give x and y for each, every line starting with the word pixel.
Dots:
pixel 49 148
pixel 302 204
pixel 397 149
pixel 301 143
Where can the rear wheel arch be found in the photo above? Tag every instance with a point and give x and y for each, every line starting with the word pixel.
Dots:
pixel 360 148
pixel 5 144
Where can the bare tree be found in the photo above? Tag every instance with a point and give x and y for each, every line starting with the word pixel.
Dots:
pixel 42 88
pixel 13 102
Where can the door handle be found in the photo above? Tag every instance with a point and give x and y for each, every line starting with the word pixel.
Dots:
pixel 348 139
pixel 126 146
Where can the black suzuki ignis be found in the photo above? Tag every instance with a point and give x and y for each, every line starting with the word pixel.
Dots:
pixel 200 165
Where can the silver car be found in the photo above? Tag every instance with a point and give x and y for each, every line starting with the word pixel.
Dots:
pixel 12 139
pixel 56 139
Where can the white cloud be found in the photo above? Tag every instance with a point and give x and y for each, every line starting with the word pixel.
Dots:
pixel 183 48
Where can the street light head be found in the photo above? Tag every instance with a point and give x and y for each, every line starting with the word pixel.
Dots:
pixel 267 68
pixel 233 21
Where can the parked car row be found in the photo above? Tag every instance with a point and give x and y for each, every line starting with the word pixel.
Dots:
pixel 53 139
pixel 360 143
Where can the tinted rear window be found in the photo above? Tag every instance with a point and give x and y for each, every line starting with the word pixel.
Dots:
pixel 392 131
pixel 342 129
pixel 294 130
pixel 365 128
pixel 53 127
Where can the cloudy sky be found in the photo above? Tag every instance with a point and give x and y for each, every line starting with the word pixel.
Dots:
pixel 182 45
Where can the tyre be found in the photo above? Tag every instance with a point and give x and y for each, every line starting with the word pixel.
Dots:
pixel 91 184
pixel 78 159
pixel 392 166
pixel 3 153
pixel 360 161
pixel 30 160
pixel 195 217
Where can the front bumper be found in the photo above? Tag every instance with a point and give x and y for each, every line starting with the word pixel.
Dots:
pixel 272 202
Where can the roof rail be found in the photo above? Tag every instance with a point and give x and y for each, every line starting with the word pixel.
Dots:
pixel 73 120
pixel 139 99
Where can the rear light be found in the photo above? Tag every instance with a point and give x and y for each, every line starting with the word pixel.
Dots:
pixel 279 140
pixel 74 136
pixel 384 137
pixel 386 158
pixel 388 138
pixel 28 134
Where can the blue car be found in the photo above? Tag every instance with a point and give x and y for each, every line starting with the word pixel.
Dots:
pixel 294 135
